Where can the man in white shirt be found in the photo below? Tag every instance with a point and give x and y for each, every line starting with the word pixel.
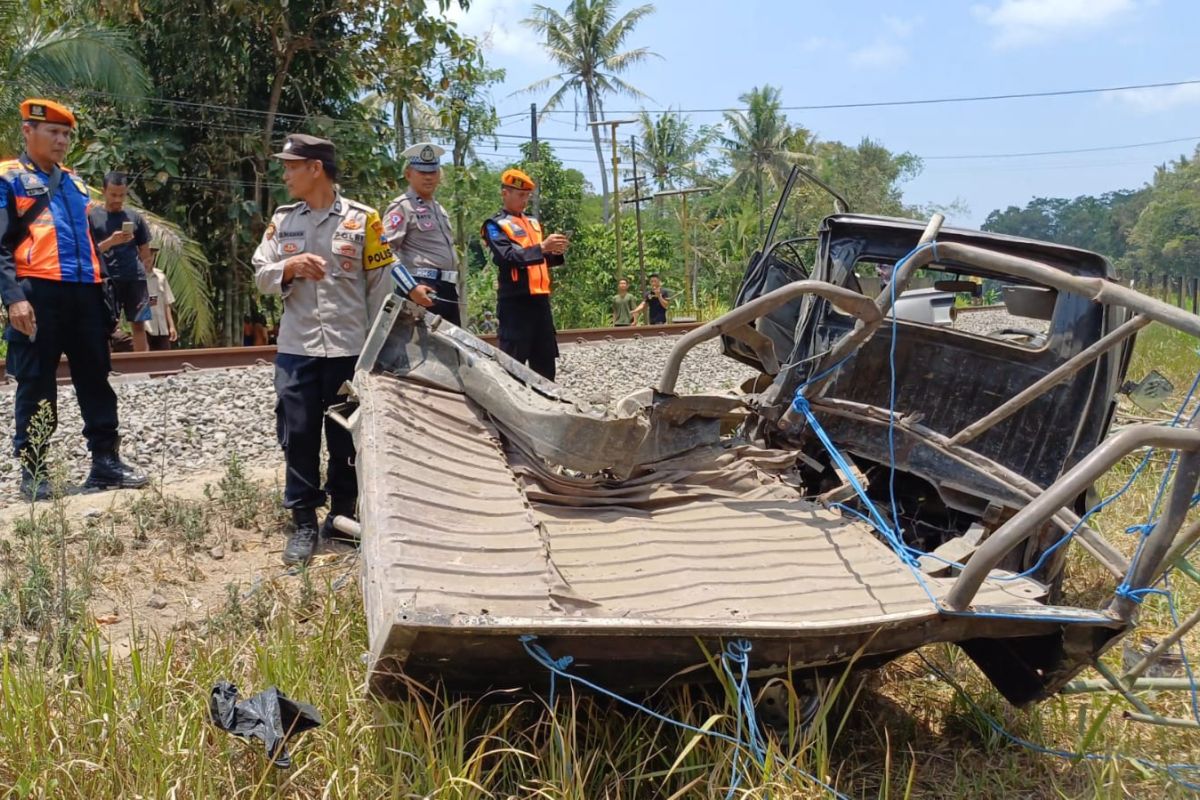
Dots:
pixel 160 328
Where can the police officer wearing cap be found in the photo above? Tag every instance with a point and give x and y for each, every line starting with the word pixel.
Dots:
pixel 524 259
pixel 50 283
pixel 326 256
pixel 418 230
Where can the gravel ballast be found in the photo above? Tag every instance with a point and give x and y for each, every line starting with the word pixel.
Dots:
pixel 193 422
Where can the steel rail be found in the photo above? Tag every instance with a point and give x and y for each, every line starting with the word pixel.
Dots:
pixel 160 363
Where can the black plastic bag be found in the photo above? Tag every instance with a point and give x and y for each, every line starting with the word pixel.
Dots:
pixel 268 716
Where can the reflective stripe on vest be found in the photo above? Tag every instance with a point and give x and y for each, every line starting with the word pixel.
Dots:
pixel 527 234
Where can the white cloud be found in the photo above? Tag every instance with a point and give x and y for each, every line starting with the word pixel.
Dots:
pixel 497 25
pixel 1152 101
pixel 879 54
pixel 887 50
pixel 1021 22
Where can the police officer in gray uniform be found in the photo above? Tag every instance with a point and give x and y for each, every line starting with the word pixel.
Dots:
pixel 417 229
pixel 326 257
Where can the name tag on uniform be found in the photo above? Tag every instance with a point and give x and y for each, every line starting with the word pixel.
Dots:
pixel 290 242
pixel 425 222
pixel 349 236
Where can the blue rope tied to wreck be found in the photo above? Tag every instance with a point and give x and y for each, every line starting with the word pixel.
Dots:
pixel 735 657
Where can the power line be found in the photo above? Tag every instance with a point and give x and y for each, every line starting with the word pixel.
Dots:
pixel 280 116
pixel 1063 152
pixel 916 102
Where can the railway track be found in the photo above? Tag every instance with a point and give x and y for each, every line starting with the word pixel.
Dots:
pixel 170 362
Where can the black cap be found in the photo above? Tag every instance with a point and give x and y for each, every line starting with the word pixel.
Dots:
pixel 300 146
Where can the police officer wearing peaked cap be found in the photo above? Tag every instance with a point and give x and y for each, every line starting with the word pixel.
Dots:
pixel 50 282
pixel 417 229
pixel 326 256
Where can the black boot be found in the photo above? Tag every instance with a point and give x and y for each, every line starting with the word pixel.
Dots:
pixel 110 472
pixel 34 486
pixel 338 508
pixel 303 541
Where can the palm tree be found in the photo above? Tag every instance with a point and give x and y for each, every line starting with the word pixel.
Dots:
pixel 762 145
pixel 586 43
pixel 669 148
pixel 81 57
pixel 40 59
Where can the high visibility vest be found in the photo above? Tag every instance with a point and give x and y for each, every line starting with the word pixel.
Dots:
pixel 527 232
pixel 59 244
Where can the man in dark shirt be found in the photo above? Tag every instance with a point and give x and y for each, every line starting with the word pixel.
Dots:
pixel 123 240
pixel 655 303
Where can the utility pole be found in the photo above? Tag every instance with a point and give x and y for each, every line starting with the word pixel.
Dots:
pixel 612 135
pixel 533 153
pixel 689 265
pixel 637 215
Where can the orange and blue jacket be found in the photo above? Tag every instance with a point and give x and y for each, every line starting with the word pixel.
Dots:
pixel 58 246
pixel 516 244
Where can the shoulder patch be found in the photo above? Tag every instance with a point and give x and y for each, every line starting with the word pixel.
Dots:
pixel 493 231
pixel 357 206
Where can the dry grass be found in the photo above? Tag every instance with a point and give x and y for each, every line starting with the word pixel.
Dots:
pixel 76 723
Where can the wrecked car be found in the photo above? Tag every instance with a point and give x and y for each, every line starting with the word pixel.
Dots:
pixel 634 536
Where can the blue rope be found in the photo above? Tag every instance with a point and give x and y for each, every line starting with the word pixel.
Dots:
pixel 1174 771
pixel 737 656
pixel 1187 666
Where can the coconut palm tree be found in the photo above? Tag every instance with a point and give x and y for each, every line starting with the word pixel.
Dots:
pixel 585 42
pixel 77 59
pixel 762 145
pixel 42 59
pixel 669 148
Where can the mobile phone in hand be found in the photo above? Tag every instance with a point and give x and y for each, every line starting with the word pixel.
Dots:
pixel 127 227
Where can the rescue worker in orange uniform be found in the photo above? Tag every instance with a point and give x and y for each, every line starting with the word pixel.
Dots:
pixel 524 259
pixel 50 284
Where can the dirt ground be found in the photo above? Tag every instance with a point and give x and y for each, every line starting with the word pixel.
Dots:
pixel 170 557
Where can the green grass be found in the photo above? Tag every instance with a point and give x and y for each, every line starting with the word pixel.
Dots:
pixel 75 723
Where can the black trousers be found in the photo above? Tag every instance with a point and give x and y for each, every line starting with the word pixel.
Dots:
pixel 527 332
pixel 71 319
pixel 305 387
pixel 446 306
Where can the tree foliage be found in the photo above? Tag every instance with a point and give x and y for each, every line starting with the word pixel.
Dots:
pixel 762 146
pixel 586 42
pixel 670 149
pixel 1102 224
pixel 232 78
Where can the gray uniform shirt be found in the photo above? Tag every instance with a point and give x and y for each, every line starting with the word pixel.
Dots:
pixel 329 317
pixel 419 234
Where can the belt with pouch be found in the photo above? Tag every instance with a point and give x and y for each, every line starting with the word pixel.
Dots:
pixel 431 274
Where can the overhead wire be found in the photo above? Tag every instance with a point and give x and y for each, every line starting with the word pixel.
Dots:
pixel 239 124
pixel 910 102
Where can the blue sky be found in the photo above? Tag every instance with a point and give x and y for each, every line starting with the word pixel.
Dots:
pixel 869 50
